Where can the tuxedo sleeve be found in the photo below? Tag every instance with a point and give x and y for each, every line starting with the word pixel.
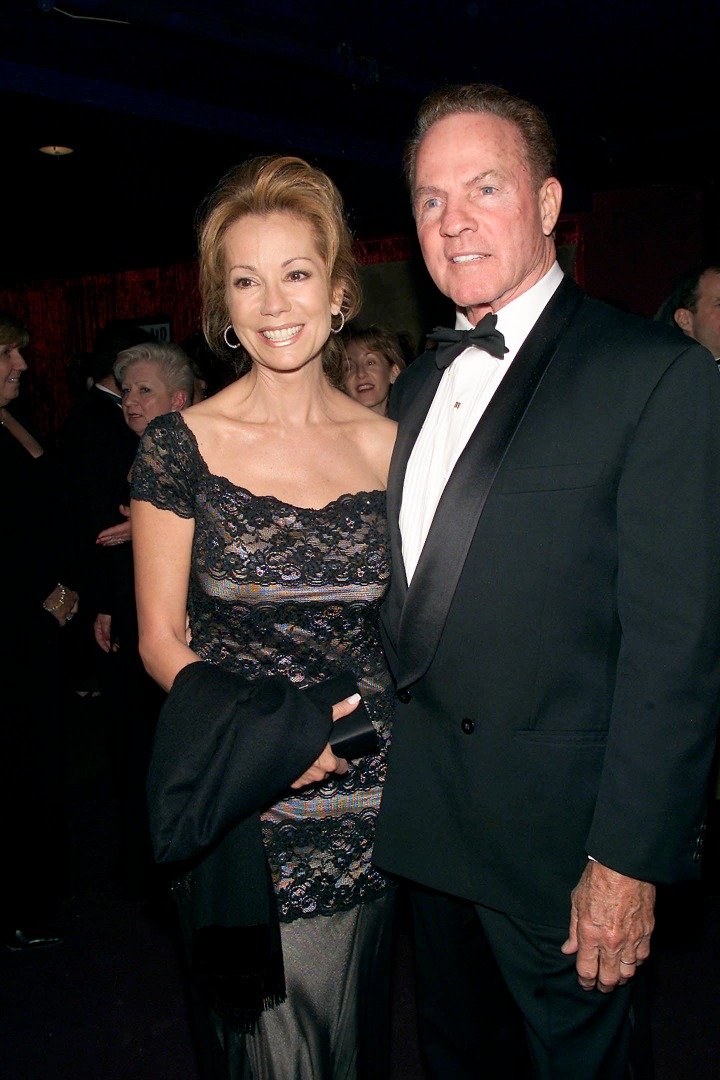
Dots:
pixel 650 805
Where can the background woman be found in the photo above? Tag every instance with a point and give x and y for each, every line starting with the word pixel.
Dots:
pixel 36 603
pixel 374 361
pixel 154 378
pixel 269 498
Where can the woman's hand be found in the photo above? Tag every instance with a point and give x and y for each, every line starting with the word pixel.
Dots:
pixel 116 534
pixel 62 604
pixel 102 629
pixel 327 763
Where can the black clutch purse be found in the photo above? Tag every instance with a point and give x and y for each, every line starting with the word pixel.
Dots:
pixel 352 736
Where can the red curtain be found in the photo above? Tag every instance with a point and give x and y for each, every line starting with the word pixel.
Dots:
pixel 63 318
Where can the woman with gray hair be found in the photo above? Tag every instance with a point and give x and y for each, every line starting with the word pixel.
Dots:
pixel 154 378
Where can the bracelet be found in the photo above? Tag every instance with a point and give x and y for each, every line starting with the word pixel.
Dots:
pixel 61 601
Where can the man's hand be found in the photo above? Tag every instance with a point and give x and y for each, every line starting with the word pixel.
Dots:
pixel 327 762
pixel 611 921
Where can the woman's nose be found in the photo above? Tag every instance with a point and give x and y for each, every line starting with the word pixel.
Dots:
pixel 274 300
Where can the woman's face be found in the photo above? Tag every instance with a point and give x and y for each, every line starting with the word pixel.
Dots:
pixel 145 395
pixel 277 291
pixel 12 366
pixel 369 376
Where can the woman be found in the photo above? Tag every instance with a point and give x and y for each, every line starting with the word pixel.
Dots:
pixel 37 602
pixel 269 498
pixel 154 378
pixel 374 361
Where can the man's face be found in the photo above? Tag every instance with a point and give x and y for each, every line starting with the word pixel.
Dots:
pixel 484 229
pixel 704 323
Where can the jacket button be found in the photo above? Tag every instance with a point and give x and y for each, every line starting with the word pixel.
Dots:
pixel 468 726
pixel 403 695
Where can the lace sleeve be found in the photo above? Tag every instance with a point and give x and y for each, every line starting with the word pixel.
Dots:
pixel 165 469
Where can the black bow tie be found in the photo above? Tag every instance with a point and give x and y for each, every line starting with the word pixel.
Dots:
pixel 452 342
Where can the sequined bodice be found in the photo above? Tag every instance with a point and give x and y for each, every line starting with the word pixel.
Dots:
pixel 281 589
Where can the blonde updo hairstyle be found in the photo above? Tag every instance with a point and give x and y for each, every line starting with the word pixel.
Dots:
pixel 270 185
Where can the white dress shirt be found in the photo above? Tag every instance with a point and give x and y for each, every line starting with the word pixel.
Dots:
pixel 465 391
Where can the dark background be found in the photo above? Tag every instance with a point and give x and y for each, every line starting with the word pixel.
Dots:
pixel 159 103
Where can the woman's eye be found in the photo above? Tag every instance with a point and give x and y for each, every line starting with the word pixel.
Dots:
pixel 298 275
pixel 242 283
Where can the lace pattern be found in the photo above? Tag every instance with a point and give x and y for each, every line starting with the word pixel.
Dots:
pixel 280 589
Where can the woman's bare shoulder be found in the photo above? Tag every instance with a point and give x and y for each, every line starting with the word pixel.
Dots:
pixel 375 440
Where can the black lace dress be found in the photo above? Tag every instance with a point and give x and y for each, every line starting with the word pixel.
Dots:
pixel 279 589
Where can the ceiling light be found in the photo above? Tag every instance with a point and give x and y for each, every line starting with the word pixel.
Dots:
pixel 56 151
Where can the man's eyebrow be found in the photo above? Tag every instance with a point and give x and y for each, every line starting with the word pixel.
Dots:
pixel 489 174
pixel 428 189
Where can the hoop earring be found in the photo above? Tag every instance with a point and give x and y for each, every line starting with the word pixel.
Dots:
pixel 342 316
pixel 225 337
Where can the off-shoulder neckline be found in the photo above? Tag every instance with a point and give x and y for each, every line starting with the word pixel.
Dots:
pixel 270 498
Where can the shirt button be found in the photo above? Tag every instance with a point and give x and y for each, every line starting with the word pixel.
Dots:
pixel 403 695
pixel 467 725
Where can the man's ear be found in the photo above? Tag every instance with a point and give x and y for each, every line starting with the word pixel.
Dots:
pixel 550 197
pixel 684 318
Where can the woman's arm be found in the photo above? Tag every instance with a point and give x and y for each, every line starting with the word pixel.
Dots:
pixel 162 543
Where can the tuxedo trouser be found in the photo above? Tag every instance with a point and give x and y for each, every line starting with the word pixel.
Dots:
pixel 483 976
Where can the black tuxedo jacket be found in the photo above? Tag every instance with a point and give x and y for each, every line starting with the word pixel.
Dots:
pixel 557 654
pixel 97 449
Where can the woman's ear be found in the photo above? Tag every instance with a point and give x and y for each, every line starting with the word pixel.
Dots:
pixel 336 298
pixel 394 372
pixel 178 400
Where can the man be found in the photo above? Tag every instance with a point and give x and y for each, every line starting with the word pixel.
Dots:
pixel 96 451
pixel 694 306
pixel 554 617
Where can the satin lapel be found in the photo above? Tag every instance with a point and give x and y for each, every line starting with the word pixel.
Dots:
pixel 443 556
pixel 412 421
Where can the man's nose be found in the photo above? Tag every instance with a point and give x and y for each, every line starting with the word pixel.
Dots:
pixel 457 218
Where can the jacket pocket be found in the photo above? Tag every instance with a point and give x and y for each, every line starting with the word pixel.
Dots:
pixel 560 738
pixel 550 477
